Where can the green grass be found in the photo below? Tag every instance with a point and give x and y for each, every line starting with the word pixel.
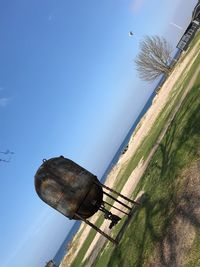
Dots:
pixel 193 257
pixel 161 182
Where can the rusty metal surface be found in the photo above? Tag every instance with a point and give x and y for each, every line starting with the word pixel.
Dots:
pixel 68 188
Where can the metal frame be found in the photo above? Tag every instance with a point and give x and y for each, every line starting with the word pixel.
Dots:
pixel 114 241
pixel 104 202
pixel 97 229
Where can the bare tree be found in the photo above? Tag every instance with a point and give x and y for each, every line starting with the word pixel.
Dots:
pixel 154 58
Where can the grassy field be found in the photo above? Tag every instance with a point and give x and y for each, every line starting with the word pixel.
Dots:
pixel 109 257
pixel 164 187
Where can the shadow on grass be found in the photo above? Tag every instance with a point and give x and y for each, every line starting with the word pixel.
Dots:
pixel 102 240
pixel 160 233
pixel 179 142
pixel 128 220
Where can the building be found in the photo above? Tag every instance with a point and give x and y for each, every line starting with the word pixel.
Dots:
pixel 196 12
pixel 191 29
pixel 188 35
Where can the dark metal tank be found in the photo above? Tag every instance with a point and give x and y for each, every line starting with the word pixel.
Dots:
pixel 68 188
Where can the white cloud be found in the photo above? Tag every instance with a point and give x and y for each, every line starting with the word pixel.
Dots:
pixel 137 5
pixel 4 101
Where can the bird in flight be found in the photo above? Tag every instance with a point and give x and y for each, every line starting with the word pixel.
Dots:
pixel 7 152
pixel 130 33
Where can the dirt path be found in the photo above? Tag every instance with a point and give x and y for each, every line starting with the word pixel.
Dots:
pixel 175 248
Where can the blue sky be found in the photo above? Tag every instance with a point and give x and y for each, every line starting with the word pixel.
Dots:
pixel 68 86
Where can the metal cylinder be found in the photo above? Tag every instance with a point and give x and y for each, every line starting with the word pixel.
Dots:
pixel 68 188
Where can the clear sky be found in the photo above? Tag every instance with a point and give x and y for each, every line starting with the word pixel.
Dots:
pixel 68 86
